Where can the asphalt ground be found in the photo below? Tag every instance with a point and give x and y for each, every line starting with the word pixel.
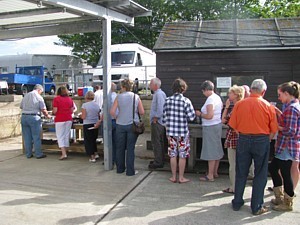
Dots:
pixel 75 191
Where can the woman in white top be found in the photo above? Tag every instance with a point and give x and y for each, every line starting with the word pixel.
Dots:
pixel 212 149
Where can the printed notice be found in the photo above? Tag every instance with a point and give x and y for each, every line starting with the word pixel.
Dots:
pixel 223 82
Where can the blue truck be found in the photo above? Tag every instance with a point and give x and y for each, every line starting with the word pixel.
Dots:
pixel 25 77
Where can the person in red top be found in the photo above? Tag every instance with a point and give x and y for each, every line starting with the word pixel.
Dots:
pixel 255 120
pixel 63 108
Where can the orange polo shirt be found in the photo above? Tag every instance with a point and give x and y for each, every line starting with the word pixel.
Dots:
pixel 254 115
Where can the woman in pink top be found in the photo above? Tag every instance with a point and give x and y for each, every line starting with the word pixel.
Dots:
pixel 63 108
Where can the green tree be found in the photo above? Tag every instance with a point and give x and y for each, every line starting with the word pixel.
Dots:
pixel 279 8
pixel 147 29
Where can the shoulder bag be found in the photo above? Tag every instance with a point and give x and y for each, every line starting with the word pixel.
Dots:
pixel 139 127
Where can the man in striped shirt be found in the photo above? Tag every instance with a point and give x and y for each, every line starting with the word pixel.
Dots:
pixel 178 110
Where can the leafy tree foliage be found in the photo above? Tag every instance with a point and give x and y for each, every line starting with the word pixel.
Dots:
pixel 279 8
pixel 147 29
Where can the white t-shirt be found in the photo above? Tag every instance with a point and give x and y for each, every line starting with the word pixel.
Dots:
pixel 99 98
pixel 217 103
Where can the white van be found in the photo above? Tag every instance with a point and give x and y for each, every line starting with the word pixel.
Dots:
pixel 3 87
pixel 131 61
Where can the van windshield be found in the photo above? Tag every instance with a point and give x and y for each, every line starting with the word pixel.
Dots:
pixel 118 58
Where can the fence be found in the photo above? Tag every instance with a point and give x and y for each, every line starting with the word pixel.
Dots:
pixel 74 78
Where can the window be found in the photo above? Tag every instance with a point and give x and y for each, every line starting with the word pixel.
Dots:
pixel 119 58
pixel 4 69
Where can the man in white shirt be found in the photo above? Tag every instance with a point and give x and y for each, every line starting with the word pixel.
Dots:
pixel 98 96
pixel 99 100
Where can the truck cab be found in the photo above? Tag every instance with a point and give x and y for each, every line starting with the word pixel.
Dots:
pixel 128 61
pixel 26 77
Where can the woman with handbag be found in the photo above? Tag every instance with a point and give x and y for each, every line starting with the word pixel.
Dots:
pixel 129 107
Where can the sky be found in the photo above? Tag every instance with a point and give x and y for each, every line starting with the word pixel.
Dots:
pixel 37 45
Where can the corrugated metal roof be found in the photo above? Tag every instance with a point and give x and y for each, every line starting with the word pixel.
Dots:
pixel 233 34
pixel 22 14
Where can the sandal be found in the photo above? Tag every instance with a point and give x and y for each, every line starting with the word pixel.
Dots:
pixel 63 157
pixel 262 210
pixel 205 178
pixel 228 190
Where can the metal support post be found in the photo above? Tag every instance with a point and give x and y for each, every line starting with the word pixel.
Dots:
pixel 107 126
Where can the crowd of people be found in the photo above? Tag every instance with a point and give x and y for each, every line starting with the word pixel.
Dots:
pixel 252 123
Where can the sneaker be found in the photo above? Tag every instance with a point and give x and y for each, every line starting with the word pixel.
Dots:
pixel 99 140
pixel 92 160
pixel 96 156
pixel 42 156
pixel 136 172
pixel 262 210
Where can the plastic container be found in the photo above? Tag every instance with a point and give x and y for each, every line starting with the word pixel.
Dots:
pixel 80 91
pixel 86 89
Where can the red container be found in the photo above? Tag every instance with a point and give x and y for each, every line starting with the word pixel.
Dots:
pixel 80 91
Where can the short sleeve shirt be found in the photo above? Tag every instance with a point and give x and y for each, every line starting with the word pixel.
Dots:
pixel 32 102
pixel 64 107
pixel 217 104
pixel 92 112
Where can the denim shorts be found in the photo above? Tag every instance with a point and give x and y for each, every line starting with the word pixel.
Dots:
pixel 179 146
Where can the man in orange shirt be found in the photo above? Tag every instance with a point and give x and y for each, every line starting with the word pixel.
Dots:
pixel 255 120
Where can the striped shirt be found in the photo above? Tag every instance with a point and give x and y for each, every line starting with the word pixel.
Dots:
pixel 289 137
pixel 177 111
pixel 231 136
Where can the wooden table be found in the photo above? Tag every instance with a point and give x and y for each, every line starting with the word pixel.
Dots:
pixel 196 132
pixel 76 145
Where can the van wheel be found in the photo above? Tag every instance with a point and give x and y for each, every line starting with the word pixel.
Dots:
pixel 52 91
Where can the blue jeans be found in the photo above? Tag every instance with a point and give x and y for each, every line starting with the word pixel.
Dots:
pixel 126 143
pixel 31 132
pixel 114 140
pixel 257 148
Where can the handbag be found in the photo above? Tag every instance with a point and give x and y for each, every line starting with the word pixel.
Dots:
pixel 139 127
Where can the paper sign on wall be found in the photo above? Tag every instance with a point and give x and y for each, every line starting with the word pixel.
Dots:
pixel 223 82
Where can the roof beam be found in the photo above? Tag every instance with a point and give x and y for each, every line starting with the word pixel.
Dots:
pixel 54 29
pixel 91 9
pixel 148 13
pixel 30 12
pixel 279 31
pixel 113 3
pixel 44 23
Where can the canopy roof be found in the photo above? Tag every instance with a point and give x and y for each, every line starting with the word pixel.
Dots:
pixel 230 34
pixel 32 18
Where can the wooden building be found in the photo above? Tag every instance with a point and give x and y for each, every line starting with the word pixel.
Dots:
pixel 229 52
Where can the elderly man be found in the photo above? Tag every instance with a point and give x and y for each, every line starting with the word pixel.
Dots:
pixel 32 106
pixel 158 131
pixel 255 120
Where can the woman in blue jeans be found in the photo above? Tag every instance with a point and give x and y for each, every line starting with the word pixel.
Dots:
pixel 124 120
